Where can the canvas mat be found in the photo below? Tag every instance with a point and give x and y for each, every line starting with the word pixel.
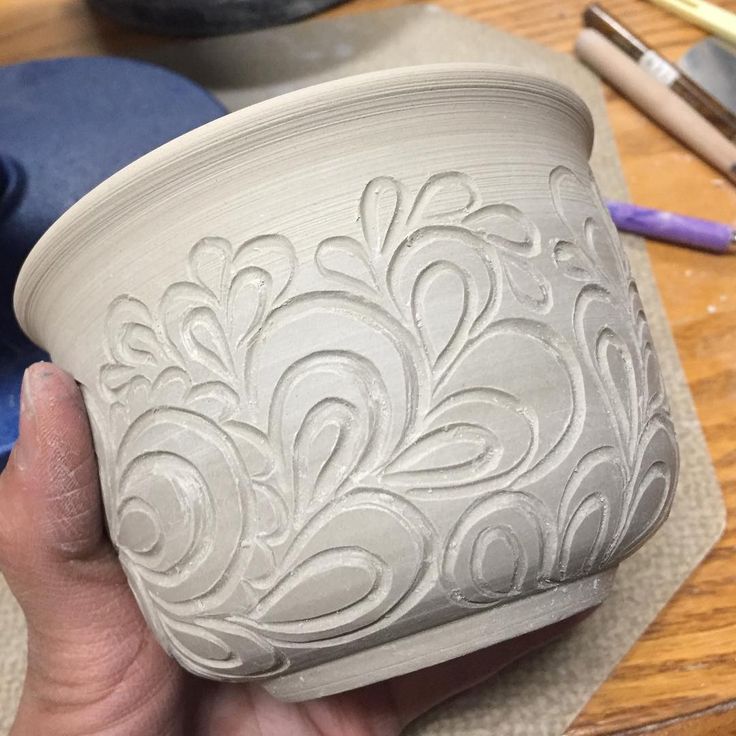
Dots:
pixel 540 695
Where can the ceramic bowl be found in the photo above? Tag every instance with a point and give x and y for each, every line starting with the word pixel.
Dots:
pixel 370 382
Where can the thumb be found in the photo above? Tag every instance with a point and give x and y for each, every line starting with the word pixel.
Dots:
pixel 89 652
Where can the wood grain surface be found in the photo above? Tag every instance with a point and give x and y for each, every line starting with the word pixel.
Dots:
pixel 680 678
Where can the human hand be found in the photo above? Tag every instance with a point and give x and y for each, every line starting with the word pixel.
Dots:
pixel 93 665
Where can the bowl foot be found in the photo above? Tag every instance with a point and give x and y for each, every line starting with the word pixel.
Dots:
pixel 445 642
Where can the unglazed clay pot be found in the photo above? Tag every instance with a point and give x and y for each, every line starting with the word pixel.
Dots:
pixel 370 382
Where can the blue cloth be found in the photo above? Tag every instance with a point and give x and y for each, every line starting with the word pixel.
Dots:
pixel 65 126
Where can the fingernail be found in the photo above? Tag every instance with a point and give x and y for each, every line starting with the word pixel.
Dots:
pixel 26 394
pixel 26 443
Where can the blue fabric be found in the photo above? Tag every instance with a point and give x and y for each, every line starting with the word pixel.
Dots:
pixel 65 126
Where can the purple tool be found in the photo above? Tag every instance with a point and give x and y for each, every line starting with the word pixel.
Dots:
pixel 657 225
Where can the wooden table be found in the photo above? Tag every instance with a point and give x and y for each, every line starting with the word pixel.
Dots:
pixel 680 678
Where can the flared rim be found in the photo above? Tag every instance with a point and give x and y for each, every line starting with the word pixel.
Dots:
pixel 68 234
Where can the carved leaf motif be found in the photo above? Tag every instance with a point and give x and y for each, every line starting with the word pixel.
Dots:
pixel 365 366
pixel 610 240
pixel 508 424
pixel 579 205
pixel 617 362
pixel 204 340
pixel 528 285
pixel 652 487
pixel 609 508
pixel 382 214
pixel 187 314
pixel 116 376
pixel 650 502
pixel 271 254
pixel 652 375
pixel 616 368
pixel 326 426
pixel 584 537
pixel 330 581
pixel 507 227
pixel 455 454
pixel 132 341
pixel 589 512
pixel 439 305
pixel 344 260
pixel 567 191
pixel 141 343
pixel 444 312
pixel 232 653
pixel 209 263
pixel 248 302
pixel 653 380
pixel 509 230
pixel 352 564
pixel 445 198
pixel 573 261
pixel 537 350
pixel 327 448
pixel 171 388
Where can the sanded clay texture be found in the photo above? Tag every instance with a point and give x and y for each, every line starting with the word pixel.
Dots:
pixel 361 361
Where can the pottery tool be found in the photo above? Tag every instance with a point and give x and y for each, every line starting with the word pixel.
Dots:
pixel 712 64
pixel 657 101
pixel 654 63
pixel 711 17
pixel 692 232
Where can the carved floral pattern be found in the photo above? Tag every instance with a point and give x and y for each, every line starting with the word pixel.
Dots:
pixel 619 494
pixel 298 511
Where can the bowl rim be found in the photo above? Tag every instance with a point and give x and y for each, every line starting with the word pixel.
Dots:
pixel 306 102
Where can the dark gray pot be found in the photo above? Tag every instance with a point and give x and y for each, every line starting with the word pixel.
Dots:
pixel 208 17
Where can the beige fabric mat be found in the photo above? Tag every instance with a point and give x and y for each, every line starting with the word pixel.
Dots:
pixel 542 694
